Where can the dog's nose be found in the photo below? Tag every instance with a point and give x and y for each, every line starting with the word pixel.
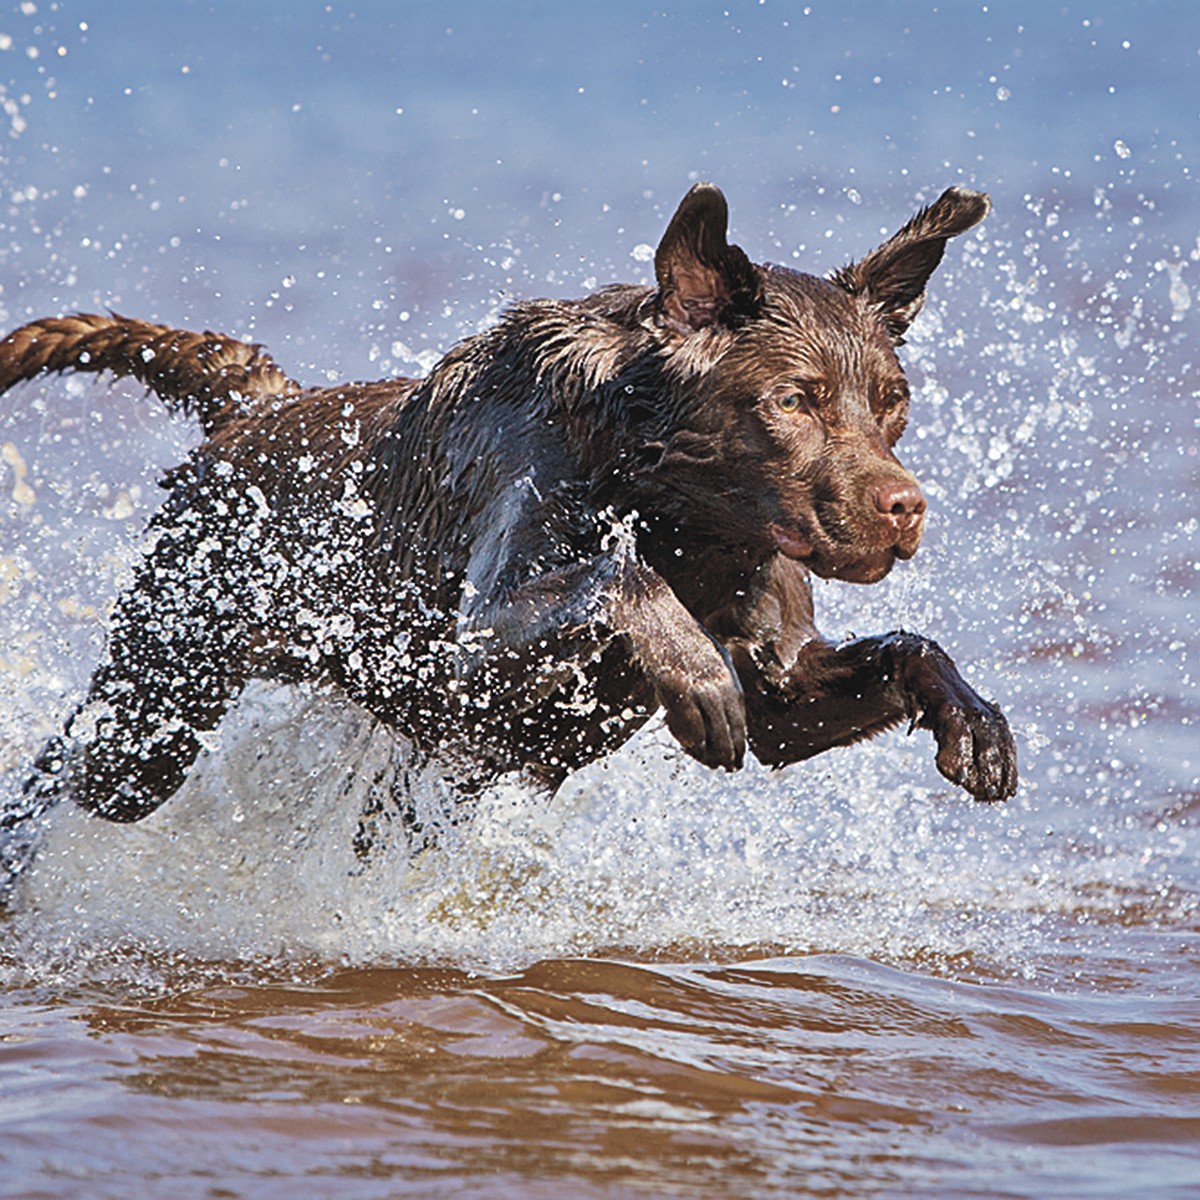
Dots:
pixel 901 503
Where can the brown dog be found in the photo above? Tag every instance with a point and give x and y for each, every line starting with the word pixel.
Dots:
pixel 593 510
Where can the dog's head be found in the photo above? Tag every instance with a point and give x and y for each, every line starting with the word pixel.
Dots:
pixel 789 397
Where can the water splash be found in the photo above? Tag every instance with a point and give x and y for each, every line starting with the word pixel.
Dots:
pixel 647 854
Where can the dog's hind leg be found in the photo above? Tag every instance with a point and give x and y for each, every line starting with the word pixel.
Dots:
pixel 129 745
pixel 168 676
pixel 20 829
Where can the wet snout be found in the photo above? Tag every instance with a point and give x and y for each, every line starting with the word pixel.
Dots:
pixel 852 513
pixel 854 518
pixel 900 506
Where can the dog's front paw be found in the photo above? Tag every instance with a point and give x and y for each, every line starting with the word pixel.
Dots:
pixel 690 671
pixel 976 750
pixel 706 712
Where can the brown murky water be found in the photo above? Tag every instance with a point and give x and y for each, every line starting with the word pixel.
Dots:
pixel 816 1075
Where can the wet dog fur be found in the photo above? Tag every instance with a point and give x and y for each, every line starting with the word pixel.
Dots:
pixel 596 510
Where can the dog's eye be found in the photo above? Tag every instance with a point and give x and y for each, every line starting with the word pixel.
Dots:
pixel 793 403
pixel 894 399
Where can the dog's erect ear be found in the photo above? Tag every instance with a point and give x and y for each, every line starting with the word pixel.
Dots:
pixel 893 276
pixel 702 280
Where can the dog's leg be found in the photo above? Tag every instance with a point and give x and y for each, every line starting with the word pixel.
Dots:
pixel 129 746
pixel 805 695
pixel 836 695
pixel 168 677
pixel 536 641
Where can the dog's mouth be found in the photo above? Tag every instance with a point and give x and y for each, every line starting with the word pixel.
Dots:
pixel 830 560
pixel 791 543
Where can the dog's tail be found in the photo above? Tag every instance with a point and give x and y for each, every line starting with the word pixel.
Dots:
pixel 213 376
